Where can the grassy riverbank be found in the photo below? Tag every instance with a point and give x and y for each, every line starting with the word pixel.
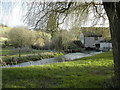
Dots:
pixel 88 72
pixel 11 55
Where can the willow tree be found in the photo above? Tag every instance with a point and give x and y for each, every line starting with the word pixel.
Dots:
pixel 52 27
pixel 78 9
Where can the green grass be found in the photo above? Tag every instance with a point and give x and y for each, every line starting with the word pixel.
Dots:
pixel 14 51
pixel 32 55
pixel 89 72
pixel 15 60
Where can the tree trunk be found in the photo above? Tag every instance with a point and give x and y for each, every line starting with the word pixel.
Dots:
pixel 113 12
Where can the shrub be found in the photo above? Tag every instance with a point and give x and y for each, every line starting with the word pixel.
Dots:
pixel 16 60
pixel 2 63
pixel 20 36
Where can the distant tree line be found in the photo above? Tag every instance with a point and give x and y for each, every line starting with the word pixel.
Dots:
pixel 42 39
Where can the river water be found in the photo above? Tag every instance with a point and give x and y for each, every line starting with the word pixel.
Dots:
pixel 67 57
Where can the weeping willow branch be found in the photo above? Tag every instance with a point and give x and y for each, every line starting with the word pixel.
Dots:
pixel 38 13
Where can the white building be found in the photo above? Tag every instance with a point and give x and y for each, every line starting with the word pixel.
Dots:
pixel 91 37
pixel 92 42
pixel 105 45
pixel 95 41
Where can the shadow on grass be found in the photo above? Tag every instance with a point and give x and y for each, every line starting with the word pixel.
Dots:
pixel 74 74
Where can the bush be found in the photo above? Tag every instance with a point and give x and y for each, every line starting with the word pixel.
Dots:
pixel 21 36
pixel 74 50
pixel 2 63
pixel 61 40
pixel 16 60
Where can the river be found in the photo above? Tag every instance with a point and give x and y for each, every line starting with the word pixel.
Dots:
pixel 67 57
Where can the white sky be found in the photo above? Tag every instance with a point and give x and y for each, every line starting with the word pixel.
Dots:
pixel 11 14
pixel 16 16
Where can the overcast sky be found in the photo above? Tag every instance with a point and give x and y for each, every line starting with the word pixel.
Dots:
pixel 11 13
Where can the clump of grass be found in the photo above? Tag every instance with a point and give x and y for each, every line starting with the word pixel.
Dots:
pixel 89 72
pixel 10 55
pixel 15 60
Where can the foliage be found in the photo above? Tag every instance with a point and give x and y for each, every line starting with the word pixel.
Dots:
pixel 75 31
pixel 89 72
pixel 20 36
pixel 104 31
pixel 42 39
pixel 52 23
pixel 10 55
pixel 4 31
pixel 16 60
pixel 64 39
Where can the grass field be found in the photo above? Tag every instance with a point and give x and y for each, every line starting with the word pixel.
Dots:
pixel 10 51
pixel 89 72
